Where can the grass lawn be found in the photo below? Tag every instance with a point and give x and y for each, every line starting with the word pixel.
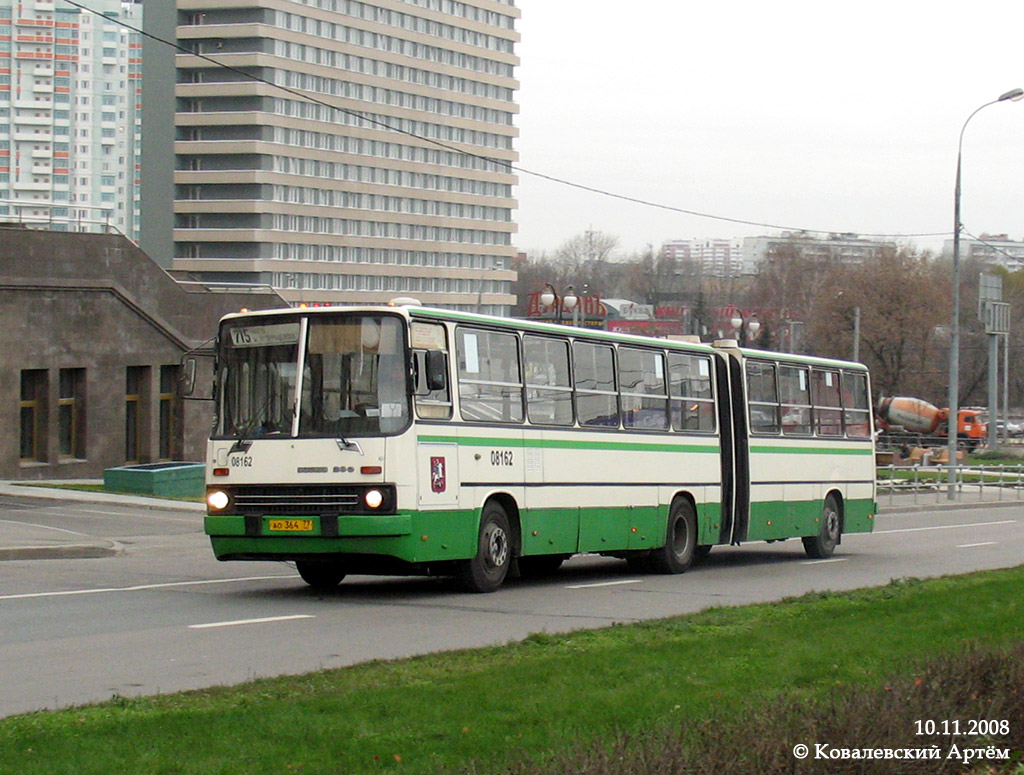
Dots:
pixel 542 695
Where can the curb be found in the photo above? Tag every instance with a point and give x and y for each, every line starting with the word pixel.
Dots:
pixel 37 549
pixel 68 552
pixel 912 508
pixel 27 490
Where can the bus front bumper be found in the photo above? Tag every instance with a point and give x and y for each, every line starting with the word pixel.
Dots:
pixel 411 537
pixel 321 526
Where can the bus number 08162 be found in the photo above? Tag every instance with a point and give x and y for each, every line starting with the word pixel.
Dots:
pixel 501 457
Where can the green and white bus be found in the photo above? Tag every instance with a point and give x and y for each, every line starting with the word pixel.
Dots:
pixel 411 440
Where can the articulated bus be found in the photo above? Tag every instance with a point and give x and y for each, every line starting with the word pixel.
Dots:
pixel 411 440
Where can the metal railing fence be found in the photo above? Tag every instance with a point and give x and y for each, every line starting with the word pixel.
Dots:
pixel 926 484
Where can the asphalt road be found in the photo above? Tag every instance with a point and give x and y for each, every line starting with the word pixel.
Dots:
pixel 159 614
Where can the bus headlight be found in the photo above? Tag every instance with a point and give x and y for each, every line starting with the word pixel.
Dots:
pixel 373 498
pixel 218 500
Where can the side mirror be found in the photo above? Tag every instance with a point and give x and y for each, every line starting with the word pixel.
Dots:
pixel 437 370
pixel 187 376
pixel 430 371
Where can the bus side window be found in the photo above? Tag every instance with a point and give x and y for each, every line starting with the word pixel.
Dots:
pixel 548 387
pixel 693 407
pixel 857 416
pixel 828 415
pixel 433 399
pixel 642 384
pixel 490 380
pixel 795 397
pixel 763 397
pixel 597 401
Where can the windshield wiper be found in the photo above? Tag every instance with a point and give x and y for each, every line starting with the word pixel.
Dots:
pixel 241 445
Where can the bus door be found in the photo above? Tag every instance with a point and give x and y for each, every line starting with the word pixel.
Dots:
pixel 735 458
pixel 437 448
pixel 437 464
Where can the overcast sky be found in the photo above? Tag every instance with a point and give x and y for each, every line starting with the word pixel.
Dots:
pixel 803 114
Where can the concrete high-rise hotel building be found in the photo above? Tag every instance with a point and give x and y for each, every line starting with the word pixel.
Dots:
pixel 70 115
pixel 350 171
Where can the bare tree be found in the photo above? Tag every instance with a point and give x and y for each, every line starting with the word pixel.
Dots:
pixel 586 258
pixel 903 299
pixel 790 280
pixel 650 277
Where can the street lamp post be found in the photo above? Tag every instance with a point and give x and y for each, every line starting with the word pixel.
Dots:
pixel 568 299
pixel 736 321
pixel 954 342
pixel 856 334
pixel 753 325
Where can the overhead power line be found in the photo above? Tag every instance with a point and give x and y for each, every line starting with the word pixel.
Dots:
pixel 500 163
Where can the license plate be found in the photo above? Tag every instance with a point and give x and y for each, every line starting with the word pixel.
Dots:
pixel 291 525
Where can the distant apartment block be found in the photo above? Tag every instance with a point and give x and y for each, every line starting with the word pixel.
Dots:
pixel 348 155
pixel 711 257
pixel 837 248
pixel 70 115
pixel 992 249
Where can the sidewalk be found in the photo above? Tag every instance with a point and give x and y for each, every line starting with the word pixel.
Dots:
pixel 25 541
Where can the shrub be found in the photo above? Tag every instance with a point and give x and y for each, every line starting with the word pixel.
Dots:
pixel 975 684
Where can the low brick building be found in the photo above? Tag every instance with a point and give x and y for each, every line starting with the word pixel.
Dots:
pixel 92 332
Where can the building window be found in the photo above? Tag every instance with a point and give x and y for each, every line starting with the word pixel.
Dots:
pixel 71 414
pixel 33 415
pixel 169 413
pixel 135 413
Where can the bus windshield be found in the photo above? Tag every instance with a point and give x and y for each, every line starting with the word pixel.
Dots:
pixel 354 377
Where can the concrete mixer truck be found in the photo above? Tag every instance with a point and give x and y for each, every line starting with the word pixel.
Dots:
pixel 915 416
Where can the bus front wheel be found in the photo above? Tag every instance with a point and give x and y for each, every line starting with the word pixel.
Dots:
pixel 487 570
pixel 821 546
pixel 320 574
pixel 680 541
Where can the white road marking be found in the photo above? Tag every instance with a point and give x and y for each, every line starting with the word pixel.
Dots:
pixel 136 515
pixel 138 588
pixel 971 546
pixel 605 584
pixel 821 562
pixel 105 513
pixel 45 527
pixel 939 527
pixel 238 622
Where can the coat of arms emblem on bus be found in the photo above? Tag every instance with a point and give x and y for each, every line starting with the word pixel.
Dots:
pixel 437 476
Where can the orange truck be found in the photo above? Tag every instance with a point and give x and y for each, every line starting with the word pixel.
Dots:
pixel 915 415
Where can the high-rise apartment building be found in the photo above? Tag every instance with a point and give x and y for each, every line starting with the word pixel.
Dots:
pixel 343 150
pixel 712 257
pixel 834 248
pixel 70 115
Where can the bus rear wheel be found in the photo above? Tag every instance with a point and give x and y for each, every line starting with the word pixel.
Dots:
pixel 680 540
pixel 486 571
pixel 320 574
pixel 821 546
